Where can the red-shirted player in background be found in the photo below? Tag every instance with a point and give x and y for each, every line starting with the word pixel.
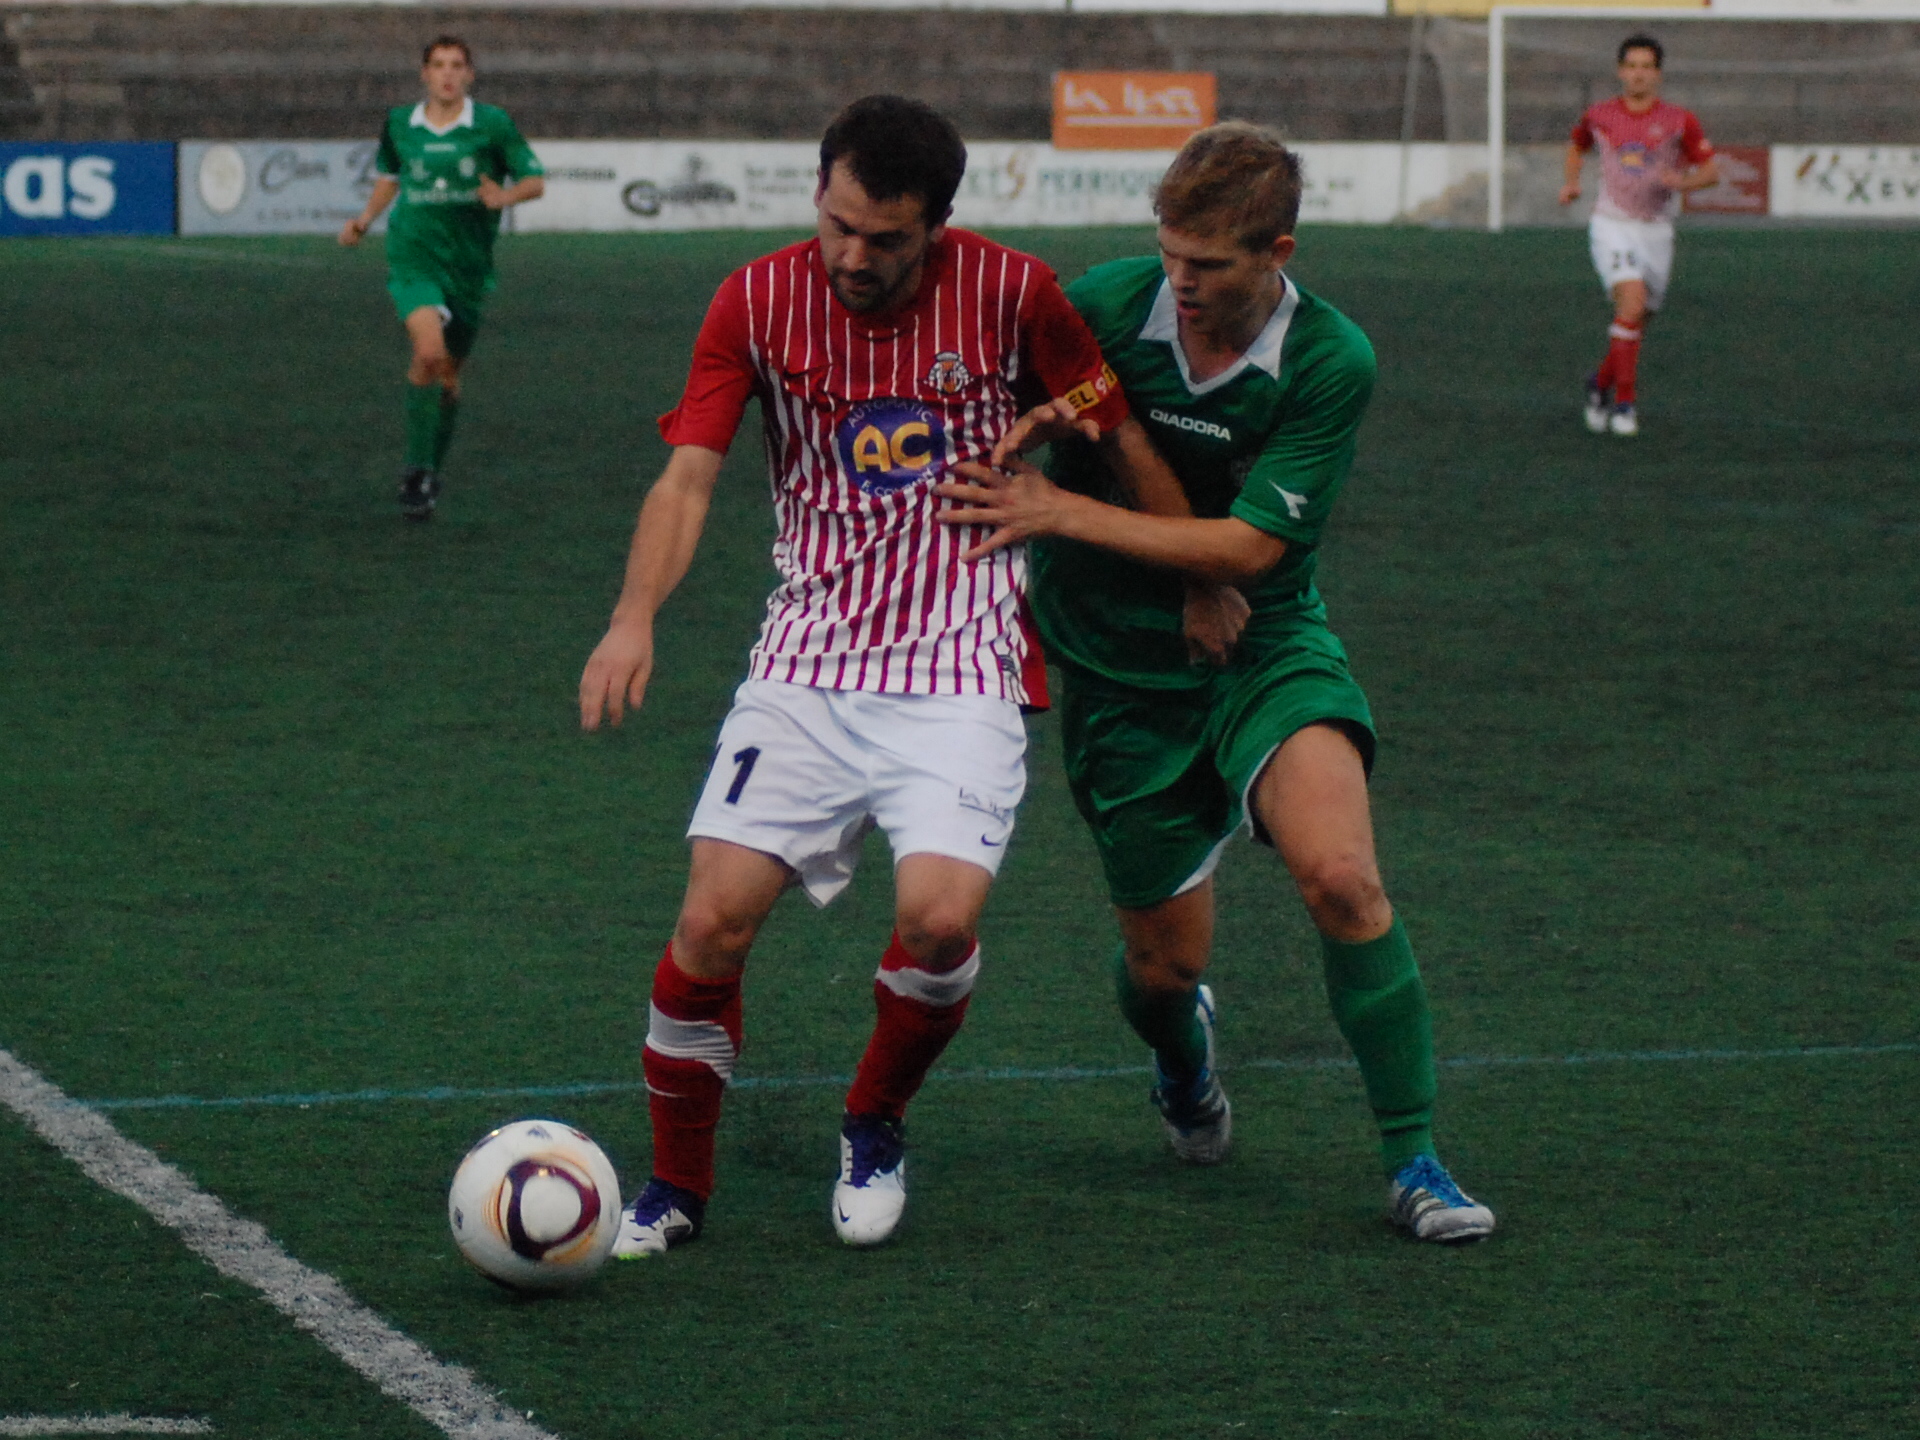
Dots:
pixel 1650 154
pixel 886 684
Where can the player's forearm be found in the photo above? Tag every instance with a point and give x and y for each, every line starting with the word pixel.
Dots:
pixel 664 541
pixel 385 187
pixel 531 188
pixel 1702 177
pixel 1147 478
pixel 1226 552
pixel 1575 162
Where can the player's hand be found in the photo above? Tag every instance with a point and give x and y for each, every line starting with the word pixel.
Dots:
pixel 1016 499
pixel 1211 620
pixel 353 231
pixel 1569 192
pixel 1042 425
pixel 617 672
pixel 491 195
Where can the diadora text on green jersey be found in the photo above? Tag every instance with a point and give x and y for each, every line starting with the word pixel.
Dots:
pixel 1268 441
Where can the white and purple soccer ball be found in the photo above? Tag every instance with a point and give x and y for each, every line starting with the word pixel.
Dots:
pixel 535 1206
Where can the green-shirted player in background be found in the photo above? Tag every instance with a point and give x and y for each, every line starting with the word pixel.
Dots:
pixel 1176 731
pixel 447 161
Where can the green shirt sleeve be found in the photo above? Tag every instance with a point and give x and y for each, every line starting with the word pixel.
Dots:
pixel 1295 478
pixel 387 161
pixel 515 154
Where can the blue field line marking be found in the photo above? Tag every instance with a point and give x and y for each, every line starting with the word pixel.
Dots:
pixel 998 1073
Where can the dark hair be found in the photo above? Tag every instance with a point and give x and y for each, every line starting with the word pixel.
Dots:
pixel 895 146
pixel 1641 42
pixel 446 42
pixel 1234 176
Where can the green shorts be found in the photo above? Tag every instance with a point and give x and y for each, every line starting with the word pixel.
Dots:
pixel 460 313
pixel 1161 776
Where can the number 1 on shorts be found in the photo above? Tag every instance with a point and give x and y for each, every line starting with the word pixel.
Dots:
pixel 744 759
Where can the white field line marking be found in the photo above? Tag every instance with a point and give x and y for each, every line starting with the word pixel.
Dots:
pixel 446 1396
pixel 100 1425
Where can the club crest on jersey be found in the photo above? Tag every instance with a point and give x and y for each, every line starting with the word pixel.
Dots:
pixel 949 374
pixel 886 445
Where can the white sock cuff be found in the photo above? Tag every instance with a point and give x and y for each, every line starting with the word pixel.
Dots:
pixel 947 988
pixel 705 1041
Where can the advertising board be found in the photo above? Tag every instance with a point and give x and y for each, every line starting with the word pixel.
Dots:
pixel 273 187
pixel 1866 182
pixel 737 185
pixel 1745 171
pixel 49 188
pixel 1130 109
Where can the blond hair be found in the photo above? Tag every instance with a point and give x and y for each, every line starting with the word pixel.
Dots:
pixel 1233 176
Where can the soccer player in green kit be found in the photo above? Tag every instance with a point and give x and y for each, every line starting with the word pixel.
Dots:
pixel 444 160
pixel 1253 390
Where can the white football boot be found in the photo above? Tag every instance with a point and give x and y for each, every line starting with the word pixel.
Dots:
pixel 659 1218
pixel 1196 1116
pixel 1423 1201
pixel 1623 421
pixel 871 1194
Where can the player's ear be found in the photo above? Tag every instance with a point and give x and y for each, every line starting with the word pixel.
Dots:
pixel 1282 251
pixel 820 188
pixel 939 227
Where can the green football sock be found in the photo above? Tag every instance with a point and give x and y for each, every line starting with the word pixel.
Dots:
pixel 423 424
pixel 1166 1020
pixel 1380 1005
pixel 443 432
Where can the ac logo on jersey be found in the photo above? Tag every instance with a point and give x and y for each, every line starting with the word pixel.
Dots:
pixel 949 374
pixel 887 445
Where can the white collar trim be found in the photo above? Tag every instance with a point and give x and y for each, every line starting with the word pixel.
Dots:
pixel 465 117
pixel 1163 324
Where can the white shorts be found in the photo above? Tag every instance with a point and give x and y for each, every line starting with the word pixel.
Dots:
pixel 804 773
pixel 1633 250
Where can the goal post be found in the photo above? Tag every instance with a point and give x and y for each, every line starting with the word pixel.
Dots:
pixel 1898 63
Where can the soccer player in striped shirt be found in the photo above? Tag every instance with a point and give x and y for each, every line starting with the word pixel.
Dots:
pixel 1651 153
pixel 886 684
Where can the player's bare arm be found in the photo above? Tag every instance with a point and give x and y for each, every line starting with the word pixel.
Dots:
pixel 1021 503
pixel 668 532
pixel 1575 161
pixel 385 187
pixel 1696 177
pixel 496 196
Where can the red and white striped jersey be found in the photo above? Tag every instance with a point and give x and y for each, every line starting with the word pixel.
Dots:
pixel 863 415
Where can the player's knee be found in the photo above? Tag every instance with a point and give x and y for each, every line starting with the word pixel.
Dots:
pixel 1160 967
pixel 937 936
pixel 708 937
pixel 1343 894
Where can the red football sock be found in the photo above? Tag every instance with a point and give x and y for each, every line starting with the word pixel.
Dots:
pixel 1623 360
pixel 920 1011
pixel 693 1038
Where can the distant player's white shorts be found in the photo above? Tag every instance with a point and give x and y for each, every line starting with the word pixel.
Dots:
pixel 804 773
pixel 1633 250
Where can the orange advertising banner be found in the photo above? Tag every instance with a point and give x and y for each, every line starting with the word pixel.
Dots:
pixel 1130 109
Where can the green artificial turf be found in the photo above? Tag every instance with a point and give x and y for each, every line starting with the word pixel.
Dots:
pixel 293 800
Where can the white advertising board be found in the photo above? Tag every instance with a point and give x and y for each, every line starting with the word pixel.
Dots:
pixel 273 187
pixel 1868 182
pixel 736 185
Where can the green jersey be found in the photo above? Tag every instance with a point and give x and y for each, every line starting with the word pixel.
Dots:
pixel 1269 441
pixel 439 227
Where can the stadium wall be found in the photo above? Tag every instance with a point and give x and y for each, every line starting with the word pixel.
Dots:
pixel 91 72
